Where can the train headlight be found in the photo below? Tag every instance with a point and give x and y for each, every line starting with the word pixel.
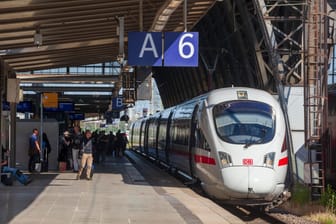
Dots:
pixel 269 159
pixel 225 159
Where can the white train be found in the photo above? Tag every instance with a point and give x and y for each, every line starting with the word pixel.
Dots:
pixel 232 140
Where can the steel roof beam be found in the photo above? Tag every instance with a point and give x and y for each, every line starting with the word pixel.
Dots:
pixel 49 78
pixel 66 89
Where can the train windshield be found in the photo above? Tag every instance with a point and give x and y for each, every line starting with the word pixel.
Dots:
pixel 244 122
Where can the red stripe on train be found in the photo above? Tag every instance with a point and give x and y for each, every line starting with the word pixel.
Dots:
pixel 283 161
pixel 204 159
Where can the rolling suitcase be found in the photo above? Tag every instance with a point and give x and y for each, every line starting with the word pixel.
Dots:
pixel 83 176
pixel 62 166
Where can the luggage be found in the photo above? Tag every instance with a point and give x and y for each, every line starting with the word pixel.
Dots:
pixel 7 179
pixel 22 178
pixel 83 176
pixel 62 166
pixel 38 167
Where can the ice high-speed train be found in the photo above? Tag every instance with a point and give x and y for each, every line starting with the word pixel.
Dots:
pixel 231 139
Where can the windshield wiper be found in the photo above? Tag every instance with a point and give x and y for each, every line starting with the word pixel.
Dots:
pixel 256 142
pixel 248 144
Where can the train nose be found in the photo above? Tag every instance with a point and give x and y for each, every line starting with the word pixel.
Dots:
pixel 249 181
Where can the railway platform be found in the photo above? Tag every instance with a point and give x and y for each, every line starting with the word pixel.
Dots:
pixel 123 190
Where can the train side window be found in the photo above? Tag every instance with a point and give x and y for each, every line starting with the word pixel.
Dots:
pixel 201 142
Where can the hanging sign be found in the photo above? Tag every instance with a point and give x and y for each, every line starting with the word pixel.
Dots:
pixel 50 100
pixel 117 103
pixel 179 49
pixel 145 48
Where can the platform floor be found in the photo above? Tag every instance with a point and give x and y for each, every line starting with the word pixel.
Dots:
pixel 121 192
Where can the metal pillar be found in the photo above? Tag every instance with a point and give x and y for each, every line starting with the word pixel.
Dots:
pixel 316 93
pixel 12 135
pixel 2 90
pixel 283 21
pixel 121 55
pixel 12 118
pixel 284 54
pixel 210 70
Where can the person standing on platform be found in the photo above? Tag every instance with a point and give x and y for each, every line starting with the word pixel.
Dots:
pixel 87 157
pixel 118 143
pixel 34 151
pixel 65 150
pixel 77 143
pixel 46 149
pixel 111 145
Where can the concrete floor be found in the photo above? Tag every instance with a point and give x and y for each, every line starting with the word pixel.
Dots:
pixel 118 193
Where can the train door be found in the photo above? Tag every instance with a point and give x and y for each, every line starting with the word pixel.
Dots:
pixel 168 145
pixel 192 140
pixel 132 135
pixel 142 136
pixel 147 122
pixel 157 137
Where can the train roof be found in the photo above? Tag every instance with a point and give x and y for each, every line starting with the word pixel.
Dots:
pixel 218 95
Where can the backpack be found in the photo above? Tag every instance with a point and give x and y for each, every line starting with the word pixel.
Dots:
pixel 7 179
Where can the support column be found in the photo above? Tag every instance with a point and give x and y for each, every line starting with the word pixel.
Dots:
pixel 2 91
pixel 12 135
pixel 12 116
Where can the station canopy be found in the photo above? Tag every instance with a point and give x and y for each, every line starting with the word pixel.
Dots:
pixel 46 34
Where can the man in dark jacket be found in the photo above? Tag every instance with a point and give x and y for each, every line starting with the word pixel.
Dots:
pixel 65 150
pixel 77 143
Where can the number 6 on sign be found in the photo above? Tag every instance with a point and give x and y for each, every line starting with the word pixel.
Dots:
pixel 181 49
pixel 185 44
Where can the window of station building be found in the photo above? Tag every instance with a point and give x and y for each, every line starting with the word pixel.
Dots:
pixel 51 71
pixel 112 68
pixel 87 69
pixel 107 68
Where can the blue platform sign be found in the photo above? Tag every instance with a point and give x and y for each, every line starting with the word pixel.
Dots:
pixel 145 48
pixel 117 103
pixel 181 49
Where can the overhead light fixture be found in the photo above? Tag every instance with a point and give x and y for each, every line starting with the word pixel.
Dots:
pixel 91 93
pixel 3 52
pixel 38 38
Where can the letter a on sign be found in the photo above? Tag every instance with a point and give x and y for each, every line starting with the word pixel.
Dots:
pixel 145 48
